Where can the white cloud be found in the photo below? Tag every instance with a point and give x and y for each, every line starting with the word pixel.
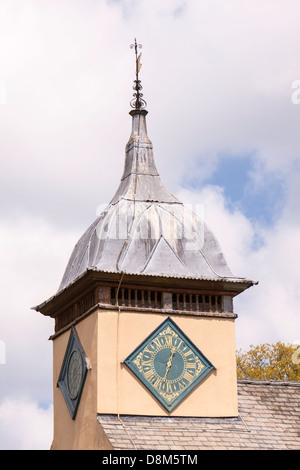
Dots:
pixel 33 256
pixel 24 425
pixel 233 230
pixel 271 310
pixel 267 312
pixel 217 77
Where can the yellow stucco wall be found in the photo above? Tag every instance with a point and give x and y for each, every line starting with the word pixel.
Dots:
pixel 119 391
pixel 108 337
pixel 84 432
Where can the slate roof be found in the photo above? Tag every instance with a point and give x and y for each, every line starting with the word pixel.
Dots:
pixel 269 419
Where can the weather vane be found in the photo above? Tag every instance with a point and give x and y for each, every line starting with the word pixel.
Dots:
pixel 137 102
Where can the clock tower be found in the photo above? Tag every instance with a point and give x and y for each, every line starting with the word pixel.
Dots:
pixel 144 320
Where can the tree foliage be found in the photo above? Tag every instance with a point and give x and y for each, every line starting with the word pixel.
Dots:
pixel 266 361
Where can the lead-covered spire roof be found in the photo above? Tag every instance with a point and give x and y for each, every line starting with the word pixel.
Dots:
pixel 145 229
pixel 140 180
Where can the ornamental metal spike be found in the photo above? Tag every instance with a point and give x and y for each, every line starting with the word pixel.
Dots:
pixel 137 102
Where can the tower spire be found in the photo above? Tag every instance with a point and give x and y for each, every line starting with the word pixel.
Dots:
pixel 137 102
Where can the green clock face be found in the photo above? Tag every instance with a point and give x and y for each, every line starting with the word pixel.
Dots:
pixel 73 373
pixel 169 364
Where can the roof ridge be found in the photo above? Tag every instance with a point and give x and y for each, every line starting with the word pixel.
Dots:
pixel 269 382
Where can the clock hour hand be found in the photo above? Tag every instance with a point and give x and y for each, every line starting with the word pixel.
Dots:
pixel 169 363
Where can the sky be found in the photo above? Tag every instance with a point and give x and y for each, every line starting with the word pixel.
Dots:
pixel 222 85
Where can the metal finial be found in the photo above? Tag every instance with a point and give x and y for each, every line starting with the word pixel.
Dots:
pixel 137 102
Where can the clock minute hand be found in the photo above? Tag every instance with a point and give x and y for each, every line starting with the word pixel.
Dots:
pixel 169 363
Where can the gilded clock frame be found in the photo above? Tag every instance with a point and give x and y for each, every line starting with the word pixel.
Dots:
pixel 74 344
pixel 169 396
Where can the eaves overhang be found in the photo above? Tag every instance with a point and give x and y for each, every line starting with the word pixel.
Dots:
pixel 93 277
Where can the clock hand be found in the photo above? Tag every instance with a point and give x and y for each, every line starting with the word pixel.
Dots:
pixel 169 363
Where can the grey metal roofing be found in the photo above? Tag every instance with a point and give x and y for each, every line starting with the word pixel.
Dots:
pixel 145 229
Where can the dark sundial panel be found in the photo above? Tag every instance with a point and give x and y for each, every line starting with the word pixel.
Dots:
pixel 169 364
pixel 73 373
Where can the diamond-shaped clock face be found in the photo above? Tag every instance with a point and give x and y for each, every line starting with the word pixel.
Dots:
pixel 73 373
pixel 169 364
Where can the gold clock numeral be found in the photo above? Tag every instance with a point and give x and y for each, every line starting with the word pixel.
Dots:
pixel 187 376
pixel 168 364
pixel 169 341
pixel 150 374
